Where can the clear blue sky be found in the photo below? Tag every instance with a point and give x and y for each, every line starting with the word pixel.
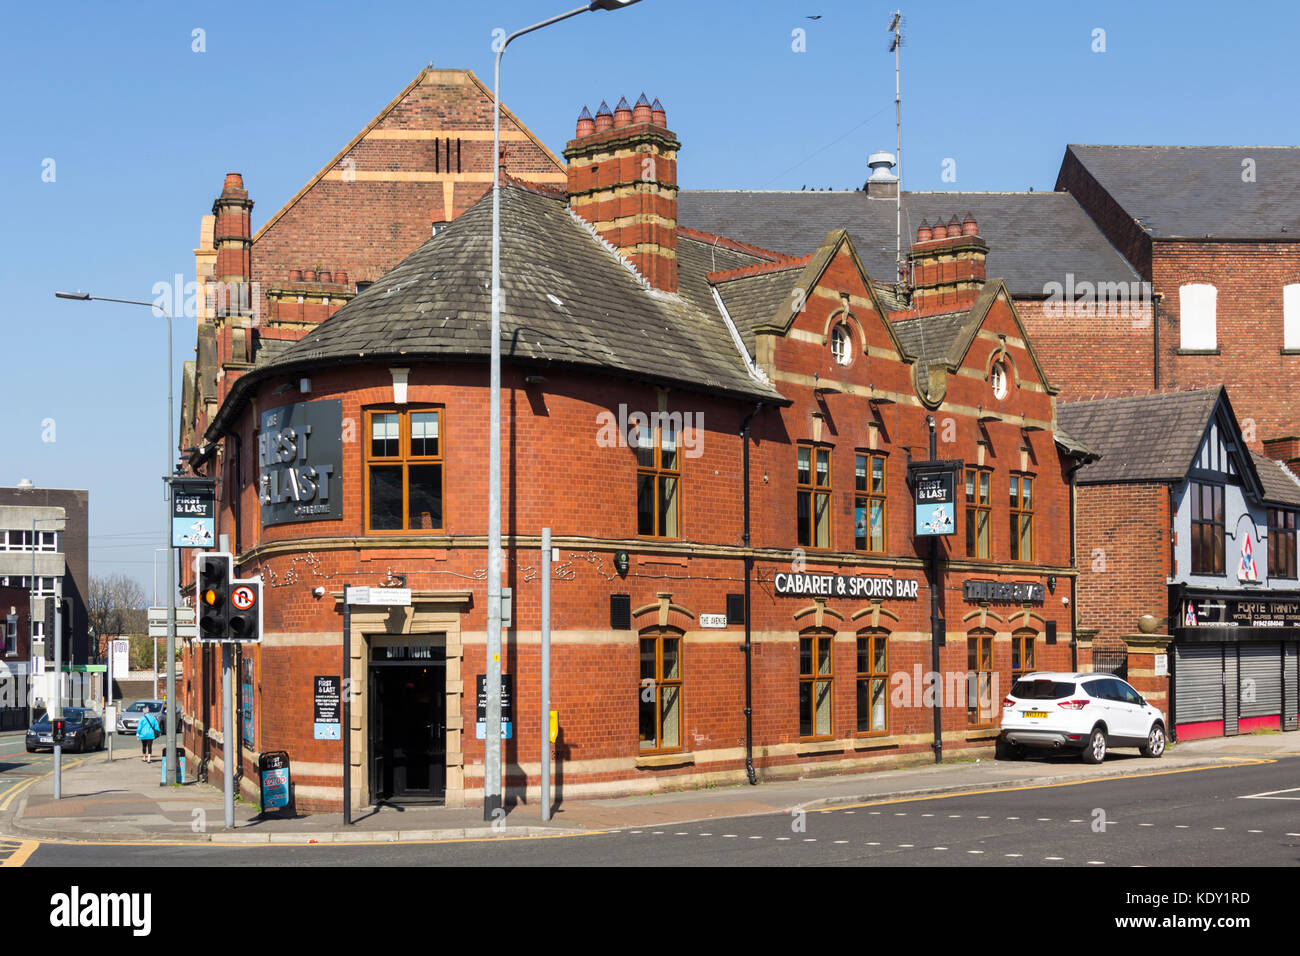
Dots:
pixel 141 130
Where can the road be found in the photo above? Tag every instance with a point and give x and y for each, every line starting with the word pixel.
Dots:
pixel 1242 814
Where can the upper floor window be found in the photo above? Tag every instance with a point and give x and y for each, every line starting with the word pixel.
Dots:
pixel 1291 316
pixel 11 634
pixel 1197 316
pixel 869 503
pixel 1281 543
pixel 998 380
pixel 979 513
pixel 813 504
pixel 658 478
pixel 1207 528
pixel 404 470
pixel 1022 518
pixel 841 345
pixel 22 541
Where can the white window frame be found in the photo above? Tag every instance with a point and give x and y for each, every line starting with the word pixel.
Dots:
pixel 1198 304
pixel 1291 316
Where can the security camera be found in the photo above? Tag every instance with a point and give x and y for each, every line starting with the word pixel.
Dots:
pixel 1065 601
pixel 318 591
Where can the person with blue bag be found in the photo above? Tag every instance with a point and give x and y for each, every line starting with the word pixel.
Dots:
pixel 146 730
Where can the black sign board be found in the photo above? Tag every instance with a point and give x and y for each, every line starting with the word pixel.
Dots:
pixel 327 700
pixel 1014 592
pixel 1263 611
pixel 299 460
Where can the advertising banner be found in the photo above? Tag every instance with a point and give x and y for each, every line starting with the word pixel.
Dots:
pixel 934 487
pixel 194 515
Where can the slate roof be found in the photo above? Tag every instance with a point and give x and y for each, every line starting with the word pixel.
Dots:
pixel 1150 438
pixel 1197 191
pixel 753 301
pixel 569 301
pixel 931 337
pixel 1033 238
pixel 1280 484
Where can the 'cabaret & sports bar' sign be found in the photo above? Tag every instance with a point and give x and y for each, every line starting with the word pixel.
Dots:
pixel 788 584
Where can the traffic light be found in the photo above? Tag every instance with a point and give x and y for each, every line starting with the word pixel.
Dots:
pixel 213 590
pixel 246 610
pixel 58 730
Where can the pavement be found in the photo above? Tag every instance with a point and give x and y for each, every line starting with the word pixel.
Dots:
pixel 123 801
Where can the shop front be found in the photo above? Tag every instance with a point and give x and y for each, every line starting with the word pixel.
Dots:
pixel 1235 658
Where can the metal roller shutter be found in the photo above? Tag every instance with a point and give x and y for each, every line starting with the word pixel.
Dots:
pixel 1231 700
pixel 1290 720
pixel 1261 680
pixel 1198 680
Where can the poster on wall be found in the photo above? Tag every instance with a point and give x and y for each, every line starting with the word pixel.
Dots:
pixel 246 700
pixel 299 461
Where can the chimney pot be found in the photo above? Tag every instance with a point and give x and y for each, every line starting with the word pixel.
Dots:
pixel 954 226
pixel 969 227
pixel 295 275
pixel 622 114
pixel 604 118
pixel 340 278
pixel 234 181
pixel 642 113
pixel 924 233
pixel 325 276
pixel 586 125
pixel 657 114
pixel 940 231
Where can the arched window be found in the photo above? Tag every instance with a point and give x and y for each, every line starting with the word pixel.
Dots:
pixel 979 678
pixel 998 380
pixel 841 345
pixel 1022 652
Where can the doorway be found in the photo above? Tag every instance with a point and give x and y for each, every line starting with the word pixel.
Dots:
pixel 408 724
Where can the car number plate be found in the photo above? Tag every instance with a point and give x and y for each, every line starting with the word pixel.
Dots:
pixel 1034 713
pixel 47 740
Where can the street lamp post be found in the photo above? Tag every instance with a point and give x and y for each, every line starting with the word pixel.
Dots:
pixel 171 562
pixel 492 790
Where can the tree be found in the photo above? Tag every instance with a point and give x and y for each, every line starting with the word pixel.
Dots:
pixel 110 605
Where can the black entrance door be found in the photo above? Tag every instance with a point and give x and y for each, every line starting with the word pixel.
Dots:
pixel 408 729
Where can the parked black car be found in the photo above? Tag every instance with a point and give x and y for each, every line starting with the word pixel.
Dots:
pixel 84 731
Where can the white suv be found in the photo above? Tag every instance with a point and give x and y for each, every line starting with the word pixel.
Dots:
pixel 1078 712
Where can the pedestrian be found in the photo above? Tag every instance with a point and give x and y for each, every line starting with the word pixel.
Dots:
pixel 147 729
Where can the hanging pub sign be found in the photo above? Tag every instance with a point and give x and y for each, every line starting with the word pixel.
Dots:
pixel 934 490
pixel 1210 611
pixel 802 584
pixel 299 456
pixel 194 515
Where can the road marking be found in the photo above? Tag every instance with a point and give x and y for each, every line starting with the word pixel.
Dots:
pixel 841 841
pixel 1254 831
pixel 809 839
pixel 941 848
pixel 903 814
pixel 1181 826
pixel 1224 828
pixel 706 834
pixel 658 833
pixel 783 838
pixel 1096 862
pixel 1017 855
pixel 1013 818
pixel 20 854
pixel 1272 795
pixel 636 831
pixel 982 818
pixel 681 833
pixel 1146 824
pixel 873 843
pixel 759 838
pixel 1238 762
pixel 849 813
pixel 1044 819
pixel 728 836
pixel 24 784
pixel 975 851
pixel 927 814
pixel 1053 858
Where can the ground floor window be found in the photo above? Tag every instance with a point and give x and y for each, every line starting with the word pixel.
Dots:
pixel 816 679
pixel 660 695
pixel 1022 654
pixel 979 680
pixel 873 683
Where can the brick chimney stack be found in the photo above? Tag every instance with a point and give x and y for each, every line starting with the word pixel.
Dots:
pixel 947 265
pixel 233 232
pixel 623 180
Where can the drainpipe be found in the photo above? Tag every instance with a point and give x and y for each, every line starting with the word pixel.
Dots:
pixel 748 647
pixel 1074 578
pixel 938 627
pixel 1155 339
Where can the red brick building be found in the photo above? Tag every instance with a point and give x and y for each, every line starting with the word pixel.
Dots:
pixel 1188 553
pixel 648 370
pixel 1215 230
pixel 421 162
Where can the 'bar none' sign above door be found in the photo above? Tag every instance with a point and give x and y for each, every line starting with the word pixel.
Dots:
pixel 299 455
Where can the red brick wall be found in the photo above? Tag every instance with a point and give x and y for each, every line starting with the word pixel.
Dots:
pixel 1249 277
pixel 1087 353
pixel 1124 557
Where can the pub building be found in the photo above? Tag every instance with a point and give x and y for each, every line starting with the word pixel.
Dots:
pixel 1188 560
pixel 719 438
